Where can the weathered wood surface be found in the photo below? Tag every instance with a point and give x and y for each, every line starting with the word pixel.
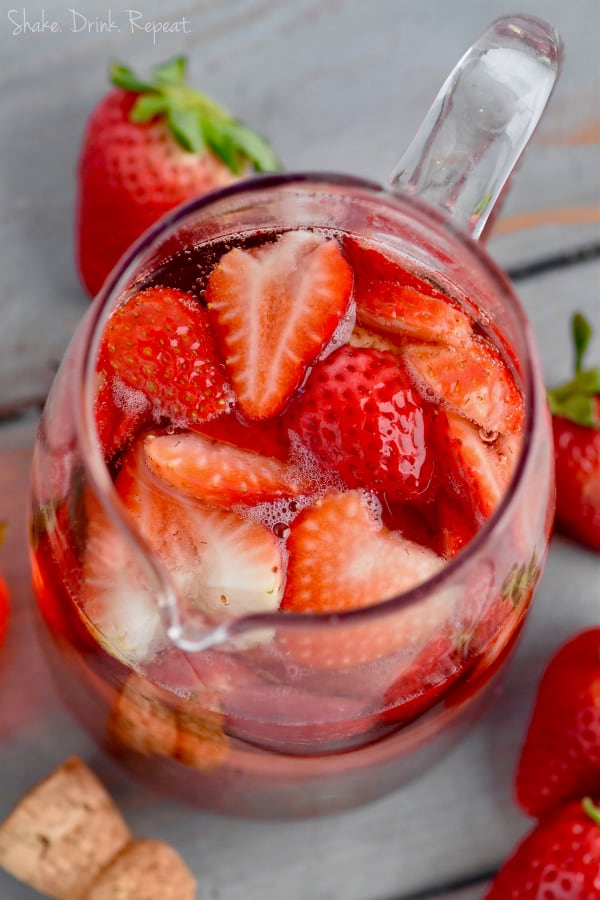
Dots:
pixel 337 85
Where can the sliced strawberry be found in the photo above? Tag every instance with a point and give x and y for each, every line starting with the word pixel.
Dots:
pixel 361 417
pixel 422 681
pixel 472 380
pixel 341 558
pixel 408 314
pixel 478 472
pixel 392 300
pixel 219 563
pixel 119 412
pixel 157 359
pixel 274 308
pixel 456 523
pixel 373 267
pixel 266 437
pixel 414 522
pixel 218 474
pixel 363 338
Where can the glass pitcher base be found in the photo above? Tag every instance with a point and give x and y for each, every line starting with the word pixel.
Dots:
pixel 210 769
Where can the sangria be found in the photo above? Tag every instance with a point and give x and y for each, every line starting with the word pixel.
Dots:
pixel 293 484
pixel 295 524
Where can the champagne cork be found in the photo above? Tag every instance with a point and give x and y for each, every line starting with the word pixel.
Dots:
pixel 63 833
pixel 68 840
pixel 150 721
pixel 144 870
pixel 142 720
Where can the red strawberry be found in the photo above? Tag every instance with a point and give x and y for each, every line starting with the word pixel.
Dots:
pixel 220 564
pixel 218 474
pixel 363 339
pixel 472 380
pixel 148 146
pixel 157 360
pixel 4 601
pixel 489 616
pixel 341 558
pixel 361 416
pixel 265 437
pixel 374 268
pixel 575 411
pixel 273 309
pixel 477 471
pixel 560 759
pixel 392 300
pixel 558 860
pixel 408 314
pixel 423 680
pixel 414 522
pixel 455 522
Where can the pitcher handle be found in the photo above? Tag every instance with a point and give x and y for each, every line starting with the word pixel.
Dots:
pixel 474 134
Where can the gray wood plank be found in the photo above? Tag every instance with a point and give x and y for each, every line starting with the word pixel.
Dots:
pixel 335 85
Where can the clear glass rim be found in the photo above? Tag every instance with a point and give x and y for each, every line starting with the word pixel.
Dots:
pixel 97 471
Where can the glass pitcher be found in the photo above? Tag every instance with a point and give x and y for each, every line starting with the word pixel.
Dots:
pixel 266 712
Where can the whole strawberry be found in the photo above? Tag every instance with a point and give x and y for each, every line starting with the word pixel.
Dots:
pixel 560 759
pixel 558 860
pixel 575 408
pixel 149 146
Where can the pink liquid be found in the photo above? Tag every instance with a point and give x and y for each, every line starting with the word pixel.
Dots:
pixel 240 727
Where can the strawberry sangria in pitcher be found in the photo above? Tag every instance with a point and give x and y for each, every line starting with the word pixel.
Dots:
pixel 293 486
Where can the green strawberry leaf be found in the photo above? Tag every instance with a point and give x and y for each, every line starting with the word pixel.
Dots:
pixel 578 399
pixel 147 106
pixel 253 146
pixel 576 407
pixel 171 73
pixel 195 121
pixel 123 77
pixel 582 332
pixel 186 128
pixel 221 144
pixel 591 810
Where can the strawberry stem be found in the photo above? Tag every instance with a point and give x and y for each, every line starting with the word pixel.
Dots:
pixel 591 810
pixel 196 121
pixel 576 400
pixel 582 332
